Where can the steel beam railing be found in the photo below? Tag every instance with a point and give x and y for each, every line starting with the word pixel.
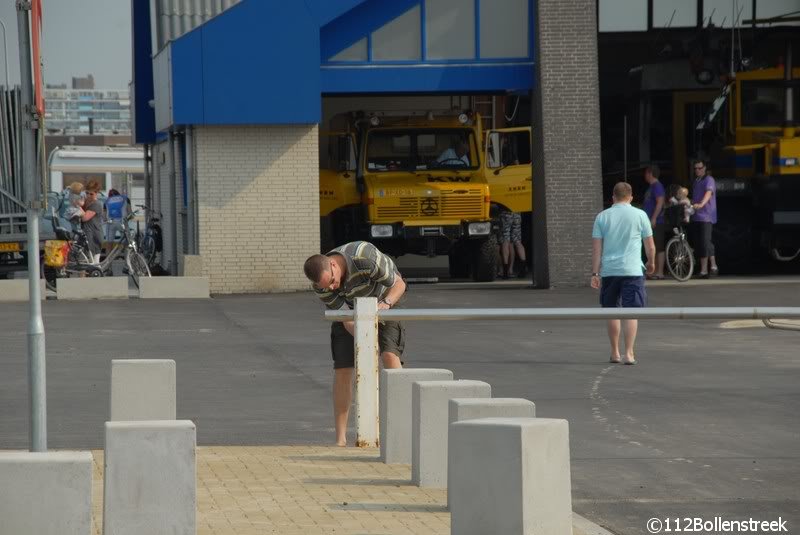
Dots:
pixel 367 316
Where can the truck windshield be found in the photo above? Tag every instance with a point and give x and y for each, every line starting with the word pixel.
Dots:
pixel 764 103
pixel 420 150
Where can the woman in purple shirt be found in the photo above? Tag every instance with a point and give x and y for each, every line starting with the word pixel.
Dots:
pixel 654 208
pixel 704 202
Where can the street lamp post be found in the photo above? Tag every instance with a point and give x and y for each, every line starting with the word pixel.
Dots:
pixel 5 48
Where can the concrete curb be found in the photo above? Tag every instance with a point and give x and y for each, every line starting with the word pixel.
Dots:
pixel 85 288
pixel 584 526
pixel 17 290
pixel 174 288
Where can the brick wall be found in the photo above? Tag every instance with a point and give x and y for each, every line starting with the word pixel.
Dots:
pixel 258 196
pixel 568 186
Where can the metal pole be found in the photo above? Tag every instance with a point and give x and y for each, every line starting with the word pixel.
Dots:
pixel 366 349
pixel 36 347
pixel 173 205
pixel 148 184
pixel 5 48
pixel 625 148
pixel 190 218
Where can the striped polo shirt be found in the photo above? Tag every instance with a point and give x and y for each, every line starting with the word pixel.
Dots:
pixel 369 274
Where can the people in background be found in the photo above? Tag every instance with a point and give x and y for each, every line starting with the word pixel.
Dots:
pixel 117 208
pixel 74 202
pixel 704 202
pixel 617 269
pixel 92 220
pixel 459 151
pixel 653 206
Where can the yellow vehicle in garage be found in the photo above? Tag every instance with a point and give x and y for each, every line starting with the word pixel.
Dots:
pixel 425 183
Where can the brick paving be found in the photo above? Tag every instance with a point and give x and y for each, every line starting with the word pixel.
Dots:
pixel 304 490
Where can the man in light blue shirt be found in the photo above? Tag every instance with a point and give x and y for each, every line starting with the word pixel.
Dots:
pixel 617 268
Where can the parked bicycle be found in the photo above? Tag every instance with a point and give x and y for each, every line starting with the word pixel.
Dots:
pixel 679 254
pixel 69 256
pixel 152 242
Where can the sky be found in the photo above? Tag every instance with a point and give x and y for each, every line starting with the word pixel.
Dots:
pixel 79 37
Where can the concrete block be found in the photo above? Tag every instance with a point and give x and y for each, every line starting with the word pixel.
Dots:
pixel 429 420
pixel 510 476
pixel 395 410
pixel 17 289
pixel 150 478
pixel 173 287
pixel 92 288
pixel 46 493
pixel 476 408
pixel 142 390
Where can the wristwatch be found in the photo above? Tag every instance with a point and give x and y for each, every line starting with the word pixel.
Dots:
pixel 595 274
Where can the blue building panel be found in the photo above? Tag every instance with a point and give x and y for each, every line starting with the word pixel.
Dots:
pixel 267 62
pixel 187 79
pixel 466 78
pixel 144 119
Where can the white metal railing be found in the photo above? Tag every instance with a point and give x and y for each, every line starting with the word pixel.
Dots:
pixel 366 317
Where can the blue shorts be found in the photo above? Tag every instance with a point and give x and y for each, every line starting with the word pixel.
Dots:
pixel 625 292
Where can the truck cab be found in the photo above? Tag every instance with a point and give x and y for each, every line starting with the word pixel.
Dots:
pixel 417 184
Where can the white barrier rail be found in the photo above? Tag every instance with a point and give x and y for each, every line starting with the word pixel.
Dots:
pixel 367 317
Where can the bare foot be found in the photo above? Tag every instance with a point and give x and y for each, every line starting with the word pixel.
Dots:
pixel 341 443
pixel 614 359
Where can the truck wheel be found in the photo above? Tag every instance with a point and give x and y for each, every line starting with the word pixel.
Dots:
pixel 459 261
pixel 485 260
pixel 327 235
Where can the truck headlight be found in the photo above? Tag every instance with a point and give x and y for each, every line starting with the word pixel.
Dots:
pixel 381 231
pixel 479 229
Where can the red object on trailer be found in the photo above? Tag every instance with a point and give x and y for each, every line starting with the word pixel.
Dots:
pixel 36 33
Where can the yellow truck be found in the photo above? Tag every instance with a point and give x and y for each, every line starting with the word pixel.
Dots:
pixel 757 165
pixel 424 183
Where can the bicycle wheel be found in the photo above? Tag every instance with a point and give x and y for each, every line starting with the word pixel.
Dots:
pixel 148 248
pixel 49 274
pixel 137 266
pixel 680 259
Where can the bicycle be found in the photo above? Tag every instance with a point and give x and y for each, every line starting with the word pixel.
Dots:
pixel 679 254
pixel 67 256
pixel 135 262
pixel 152 242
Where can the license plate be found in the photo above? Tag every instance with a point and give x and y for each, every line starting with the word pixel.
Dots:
pixel 9 247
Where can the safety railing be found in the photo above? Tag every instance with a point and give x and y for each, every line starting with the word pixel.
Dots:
pixel 367 316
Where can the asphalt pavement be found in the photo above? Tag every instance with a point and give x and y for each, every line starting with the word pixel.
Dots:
pixel 706 424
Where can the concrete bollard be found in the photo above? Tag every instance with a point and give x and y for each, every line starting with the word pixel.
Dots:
pixel 395 410
pixel 429 420
pixel 475 408
pixel 46 493
pixel 510 476
pixel 173 288
pixel 17 289
pixel 142 390
pixel 150 478
pixel 92 288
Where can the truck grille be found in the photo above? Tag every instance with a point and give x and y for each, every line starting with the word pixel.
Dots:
pixel 467 204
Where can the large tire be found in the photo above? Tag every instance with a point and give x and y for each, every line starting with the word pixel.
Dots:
pixel 327 236
pixel 485 259
pixel 734 238
pixel 458 261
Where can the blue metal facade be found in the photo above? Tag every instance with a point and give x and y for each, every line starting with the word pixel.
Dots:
pixel 268 62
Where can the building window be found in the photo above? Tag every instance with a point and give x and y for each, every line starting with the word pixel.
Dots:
pixel 400 39
pixel 720 13
pixel 504 28
pixel 675 14
pixel 354 52
pixel 622 16
pixel 450 29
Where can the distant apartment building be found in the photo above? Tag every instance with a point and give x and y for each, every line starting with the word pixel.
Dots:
pixel 83 83
pixel 85 111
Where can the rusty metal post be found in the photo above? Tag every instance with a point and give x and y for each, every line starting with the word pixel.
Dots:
pixel 366 339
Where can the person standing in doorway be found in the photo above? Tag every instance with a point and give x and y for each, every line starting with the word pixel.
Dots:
pixel 617 269
pixel 654 208
pixel 704 202
pixel 356 269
